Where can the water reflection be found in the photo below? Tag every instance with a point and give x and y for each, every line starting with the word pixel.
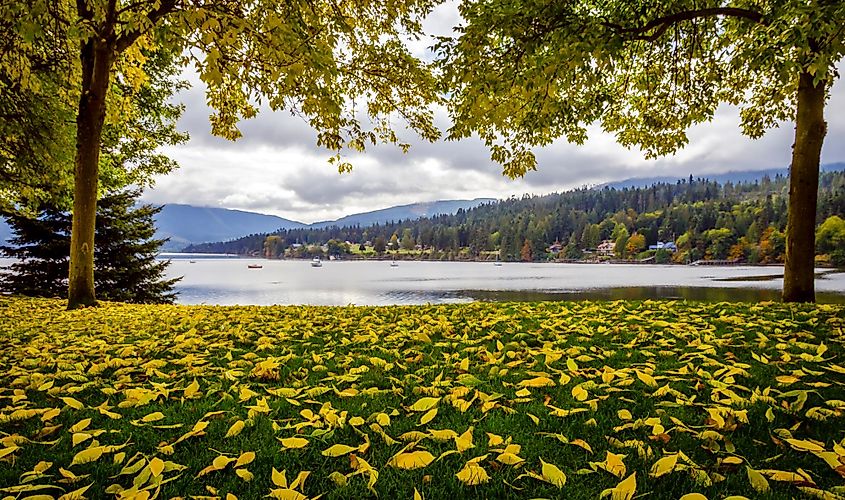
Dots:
pixel 703 294
pixel 230 282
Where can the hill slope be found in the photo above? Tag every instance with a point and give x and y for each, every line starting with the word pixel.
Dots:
pixel 735 177
pixel 187 224
pixel 404 212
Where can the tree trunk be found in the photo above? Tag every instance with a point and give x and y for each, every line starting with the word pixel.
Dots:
pixel 810 130
pixel 96 61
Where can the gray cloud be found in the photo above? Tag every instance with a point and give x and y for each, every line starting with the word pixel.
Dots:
pixel 277 168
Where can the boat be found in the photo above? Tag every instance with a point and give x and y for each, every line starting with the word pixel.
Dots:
pixel 316 262
pixel 254 266
pixel 394 264
pixel 498 263
pixel 192 262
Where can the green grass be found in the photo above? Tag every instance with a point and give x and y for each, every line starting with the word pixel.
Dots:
pixel 701 356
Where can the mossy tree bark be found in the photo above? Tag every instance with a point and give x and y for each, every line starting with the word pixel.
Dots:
pixel 810 130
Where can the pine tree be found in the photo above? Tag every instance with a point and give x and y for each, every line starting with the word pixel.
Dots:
pixel 127 270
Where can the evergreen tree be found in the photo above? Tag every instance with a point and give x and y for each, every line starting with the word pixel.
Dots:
pixel 125 253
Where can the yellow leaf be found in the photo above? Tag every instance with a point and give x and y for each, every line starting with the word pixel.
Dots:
pixel 509 458
pixel 152 417
pixel 9 450
pixel 156 466
pixel 443 435
pixel 279 478
pixel 220 462
pixel 538 382
pixel 693 496
pixel 50 414
pixel 757 480
pixel 79 437
pixel 73 403
pixel 472 474
pixel 424 404
pixel 646 379
pixel 86 456
pixel 287 494
pixel 494 440
pixel 581 443
pixel 624 490
pixel 246 458
pixel 235 429
pixel 552 474
pixel 356 421
pixel 338 450
pixel 664 466
pixel 804 445
pixel 429 416
pixel 417 495
pixel 464 441
pixel 299 480
pixel 579 393
pixel 383 419
pixel 338 478
pixel 294 442
pixel 192 389
pixel 76 494
pixel 614 464
pixel 244 474
pixel 624 415
pixel 81 425
pixel 411 460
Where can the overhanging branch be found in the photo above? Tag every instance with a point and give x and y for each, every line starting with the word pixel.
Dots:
pixel 654 29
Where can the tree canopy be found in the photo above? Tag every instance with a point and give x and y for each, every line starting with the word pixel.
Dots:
pixel 521 75
pixel 333 64
pixel 525 74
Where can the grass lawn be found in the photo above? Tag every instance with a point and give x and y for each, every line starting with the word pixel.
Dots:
pixel 552 400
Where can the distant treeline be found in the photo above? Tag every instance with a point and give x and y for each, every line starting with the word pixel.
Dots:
pixel 705 219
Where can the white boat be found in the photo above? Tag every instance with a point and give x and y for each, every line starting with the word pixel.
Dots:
pixel 498 263
pixel 394 264
pixel 316 262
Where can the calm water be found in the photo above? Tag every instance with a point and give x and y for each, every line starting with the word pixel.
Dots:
pixel 228 281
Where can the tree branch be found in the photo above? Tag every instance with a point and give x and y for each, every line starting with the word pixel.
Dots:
pixel 661 24
pixel 128 38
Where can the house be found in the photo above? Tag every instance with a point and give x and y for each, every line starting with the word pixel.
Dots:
pixel 606 247
pixel 668 246
pixel 555 247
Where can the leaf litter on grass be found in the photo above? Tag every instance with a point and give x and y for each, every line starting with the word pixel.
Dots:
pixel 613 399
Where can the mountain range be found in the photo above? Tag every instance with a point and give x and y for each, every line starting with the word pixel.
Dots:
pixel 734 177
pixel 187 224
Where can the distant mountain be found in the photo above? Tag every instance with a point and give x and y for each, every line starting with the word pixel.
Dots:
pixel 186 224
pixel 404 212
pixel 735 177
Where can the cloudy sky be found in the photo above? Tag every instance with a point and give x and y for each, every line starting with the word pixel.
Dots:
pixel 277 169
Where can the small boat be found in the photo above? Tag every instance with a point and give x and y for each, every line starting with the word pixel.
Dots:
pixel 192 262
pixel 254 266
pixel 498 263
pixel 394 264
pixel 316 262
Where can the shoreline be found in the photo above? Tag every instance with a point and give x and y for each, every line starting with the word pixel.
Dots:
pixel 389 258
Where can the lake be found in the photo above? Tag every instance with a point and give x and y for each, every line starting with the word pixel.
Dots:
pixel 228 281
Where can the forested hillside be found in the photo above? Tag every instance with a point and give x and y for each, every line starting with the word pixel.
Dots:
pixel 705 219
